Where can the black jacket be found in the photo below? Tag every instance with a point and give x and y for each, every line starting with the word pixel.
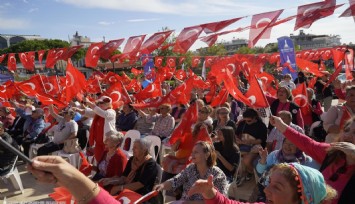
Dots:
pixel 7 158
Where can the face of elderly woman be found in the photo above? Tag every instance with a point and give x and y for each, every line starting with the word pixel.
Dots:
pixel 110 143
pixel 288 148
pixel 138 150
pixel 279 190
pixel 348 134
pixel 198 156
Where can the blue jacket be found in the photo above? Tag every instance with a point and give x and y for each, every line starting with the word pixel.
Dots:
pixel 33 126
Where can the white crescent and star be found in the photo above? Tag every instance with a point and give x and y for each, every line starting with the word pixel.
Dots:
pixel 231 65
pixel 110 79
pixel 93 52
pixel 51 87
pixel 71 80
pixel 32 85
pixel 262 21
pixel 193 31
pixel 309 10
pixel 118 96
pixel 252 99
pixel 301 96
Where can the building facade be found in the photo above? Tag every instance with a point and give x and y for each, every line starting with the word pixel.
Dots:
pixel 6 40
pixel 311 41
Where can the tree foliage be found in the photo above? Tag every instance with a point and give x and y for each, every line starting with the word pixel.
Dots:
pixel 214 50
pixel 35 45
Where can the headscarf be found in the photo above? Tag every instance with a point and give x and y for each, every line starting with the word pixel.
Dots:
pixel 312 182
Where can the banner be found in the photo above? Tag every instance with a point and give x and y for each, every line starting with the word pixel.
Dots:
pixel 287 56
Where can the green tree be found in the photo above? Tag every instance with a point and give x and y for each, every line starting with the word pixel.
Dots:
pixel 214 50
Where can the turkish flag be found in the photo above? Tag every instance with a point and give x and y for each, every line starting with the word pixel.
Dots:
pixel 106 50
pixel 220 98
pixel 209 60
pixel 308 66
pixel 11 62
pixel 171 61
pixel 71 51
pixel 338 57
pixel 118 94
pixel 195 62
pixel 28 60
pixel 256 95
pixel 92 57
pixel 158 62
pixel 134 86
pixel 300 96
pixel 180 74
pixel 260 26
pixel 49 100
pixel 136 72
pixel 165 73
pixel 61 195
pixel 189 118
pixel 217 26
pixel 312 82
pixel 40 55
pixel 8 91
pixel 154 41
pixel 151 91
pixel 309 13
pixel 233 89
pixel 211 93
pixel 181 60
pixel 34 84
pixel 54 55
pixel 125 78
pixel 132 47
pixel 111 78
pixel 93 86
pixel 210 40
pixel 75 81
pixel 196 81
pixel 51 85
pixel 85 166
pixel 186 38
pixel 179 95
pixel 2 57
pixel 128 196
pixel 349 11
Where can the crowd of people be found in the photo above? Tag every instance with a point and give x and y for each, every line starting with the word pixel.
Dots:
pixel 294 164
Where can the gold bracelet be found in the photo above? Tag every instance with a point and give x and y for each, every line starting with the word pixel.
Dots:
pixel 84 199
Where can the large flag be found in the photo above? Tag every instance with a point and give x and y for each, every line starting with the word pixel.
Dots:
pixel 309 13
pixel 151 91
pixel 186 38
pixel 210 40
pixel 217 26
pixel 54 55
pixel 220 99
pixel 50 84
pixel 287 56
pixel 349 11
pixel 118 95
pixel 106 50
pixel 70 52
pixel 308 66
pixel 75 81
pixel 132 47
pixel 338 57
pixel 154 41
pixel 260 26
pixel 256 95
pixel 28 60
pixel 92 57
pixel 300 95
pixel 11 61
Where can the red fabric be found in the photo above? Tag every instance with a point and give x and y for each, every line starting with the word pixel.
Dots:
pixel 158 61
pixel 308 66
pixel 53 56
pixel 132 46
pixel 92 56
pixel 195 62
pixel 111 78
pixel 217 26
pixel 125 79
pixel 97 136
pixel 234 91
pixel 134 86
pixel 51 85
pixel 151 91
pixel 75 81
pixel 85 166
pixel 309 13
pixel 71 51
pixel 61 195
pixel 338 57
pixel 256 95
pixel 209 60
pixel 186 38
pixel 118 95
pixel 93 86
pixel 260 26
pixel 116 164
pixel 210 40
pixel 136 72
pixel 181 60
pixel 171 61
pixel 40 55
pixel 34 83
pixel 128 196
pixel 11 61
pixel 180 74
pixel 154 41
pixel 28 60
pixel 2 57
pixel 300 96
pixel 220 98
pixel 349 11
pixel 106 50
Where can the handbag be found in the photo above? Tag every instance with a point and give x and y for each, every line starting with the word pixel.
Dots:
pixel 71 146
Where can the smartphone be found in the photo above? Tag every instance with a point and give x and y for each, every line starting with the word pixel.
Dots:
pixel 15 151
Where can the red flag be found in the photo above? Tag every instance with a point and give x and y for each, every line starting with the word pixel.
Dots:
pixel 171 61
pixel 71 51
pixel 220 98
pixel 180 74
pixel 132 46
pixel 322 66
pixel 308 66
pixel 260 26
pixel 179 95
pixel 92 57
pixel 154 41
pixel 93 86
pixel 186 38
pixel 125 78
pixel 54 55
pixel 349 11
pixel 85 166
pixel 134 86
pixel 210 40
pixel 309 13
pixel 256 95
pixel 312 82
pixel 195 62
pixel 34 83
pixel 158 61
pixel 338 57
pixel 61 195
pixel 233 90
pixel 300 96
pixel 75 81
pixel 51 85
pixel 11 62
pixel 2 57
pixel 136 72
pixel 128 196
pixel 151 91
pixel 217 26
pixel 213 89
pixel 111 78
pixel 189 118
pixel 40 55
pixel 209 60
pixel 28 60
pixel 118 94
pixel 106 50
pixel 181 60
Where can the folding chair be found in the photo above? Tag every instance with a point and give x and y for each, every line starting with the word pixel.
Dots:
pixel 14 177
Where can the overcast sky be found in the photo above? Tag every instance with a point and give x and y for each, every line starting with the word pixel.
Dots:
pixel 114 19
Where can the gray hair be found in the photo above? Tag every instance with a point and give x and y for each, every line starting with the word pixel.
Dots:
pixel 115 136
pixel 145 144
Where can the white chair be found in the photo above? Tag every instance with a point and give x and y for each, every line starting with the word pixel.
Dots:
pixel 133 135
pixel 14 177
pixel 165 147
pixel 155 142
pixel 73 158
pixel 33 150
